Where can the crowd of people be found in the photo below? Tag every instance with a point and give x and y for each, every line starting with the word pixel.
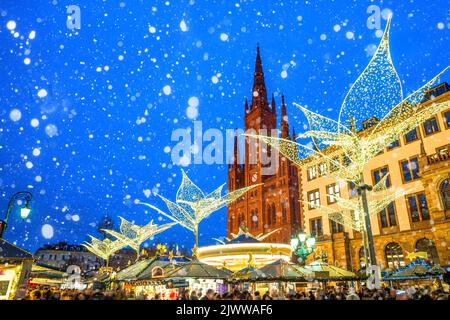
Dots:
pixel 336 293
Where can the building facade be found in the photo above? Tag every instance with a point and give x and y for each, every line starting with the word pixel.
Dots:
pixel 62 255
pixel 274 204
pixel 420 221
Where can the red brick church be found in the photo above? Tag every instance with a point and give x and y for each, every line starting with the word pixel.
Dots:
pixel 275 204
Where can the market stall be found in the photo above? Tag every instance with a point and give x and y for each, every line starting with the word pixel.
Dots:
pixel 42 274
pixel 15 268
pixel 196 275
pixel 280 274
pixel 330 275
pixel 416 272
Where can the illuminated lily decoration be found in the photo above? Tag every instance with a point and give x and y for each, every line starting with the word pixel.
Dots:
pixel 351 211
pixel 103 248
pixel 376 92
pixel 133 235
pixel 192 205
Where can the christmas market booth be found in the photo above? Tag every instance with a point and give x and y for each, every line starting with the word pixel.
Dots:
pixel 196 275
pixel 45 275
pixel 281 274
pixel 148 275
pixel 417 272
pixel 15 268
pixel 331 275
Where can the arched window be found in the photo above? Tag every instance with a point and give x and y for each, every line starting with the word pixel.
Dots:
pixel 445 194
pixel 269 215
pixel 362 258
pixel 274 214
pixel 394 255
pixel 283 212
pixel 427 245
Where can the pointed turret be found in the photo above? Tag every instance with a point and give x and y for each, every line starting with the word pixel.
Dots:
pixel 246 106
pixel 259 92
pixel 274 106
pixel 284 121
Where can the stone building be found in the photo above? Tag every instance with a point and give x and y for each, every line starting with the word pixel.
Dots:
pixel 62 255
pixel 418 161
pixel 274 204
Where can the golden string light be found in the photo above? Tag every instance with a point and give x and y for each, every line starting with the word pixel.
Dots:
pixel 133 235
pixel 103 248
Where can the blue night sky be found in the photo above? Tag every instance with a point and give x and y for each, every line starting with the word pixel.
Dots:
pixel 86 116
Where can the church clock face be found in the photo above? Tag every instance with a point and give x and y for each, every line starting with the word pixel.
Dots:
pixel 254 177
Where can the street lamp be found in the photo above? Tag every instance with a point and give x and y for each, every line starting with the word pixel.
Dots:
pixel 24 210
pixel 372 269
pixel 303 246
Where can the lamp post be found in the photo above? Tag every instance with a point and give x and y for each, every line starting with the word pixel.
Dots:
pixel 303 246
pixel 24 210
pixel 374 277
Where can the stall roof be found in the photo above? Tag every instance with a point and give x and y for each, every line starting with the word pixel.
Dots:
pixel 417 269
pixel 279 270
pixel 325 271
pixel 142 269
pixel 8 251
pixel 198 270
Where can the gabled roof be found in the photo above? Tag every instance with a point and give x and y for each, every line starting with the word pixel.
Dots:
pixel 277 270
pixel 8 251
pixel 142 269
pixel 417 269
pixel 198 270
pixel 330 272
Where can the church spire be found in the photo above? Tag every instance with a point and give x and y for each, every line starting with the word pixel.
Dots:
pixel 259 93
pixel 236 149
pixel 284 121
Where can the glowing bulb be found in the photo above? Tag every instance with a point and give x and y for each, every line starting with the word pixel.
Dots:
pixel 25 211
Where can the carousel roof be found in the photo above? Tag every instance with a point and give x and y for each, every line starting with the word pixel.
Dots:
pixel 8 251
pixel 243 239
pixel 244 236
pixel 418 269
pixel 325 271
pixel 199 270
